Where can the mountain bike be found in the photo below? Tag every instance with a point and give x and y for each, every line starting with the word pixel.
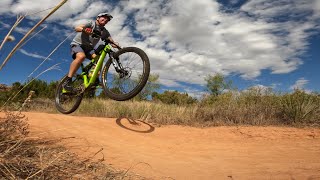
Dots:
pixel 123 76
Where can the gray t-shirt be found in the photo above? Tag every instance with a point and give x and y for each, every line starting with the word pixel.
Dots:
pixel 86 39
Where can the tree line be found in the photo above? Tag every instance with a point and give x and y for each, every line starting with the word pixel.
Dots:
pixel 150 92
pixel 216 85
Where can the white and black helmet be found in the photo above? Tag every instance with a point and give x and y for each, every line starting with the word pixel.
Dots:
pixel 105 15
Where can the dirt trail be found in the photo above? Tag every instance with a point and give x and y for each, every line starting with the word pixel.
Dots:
pixel 189 153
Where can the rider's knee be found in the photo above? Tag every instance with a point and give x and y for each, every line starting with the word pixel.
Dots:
pixel 80 57
pixel 93 55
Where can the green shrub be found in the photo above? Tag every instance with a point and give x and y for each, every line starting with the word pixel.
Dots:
pixel 300 107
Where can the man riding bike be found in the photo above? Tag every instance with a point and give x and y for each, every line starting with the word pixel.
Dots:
pixel 82 46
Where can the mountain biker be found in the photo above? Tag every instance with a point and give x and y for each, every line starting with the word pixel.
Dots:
pixel 82 46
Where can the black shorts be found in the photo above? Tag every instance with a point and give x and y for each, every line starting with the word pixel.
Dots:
pixel 88 51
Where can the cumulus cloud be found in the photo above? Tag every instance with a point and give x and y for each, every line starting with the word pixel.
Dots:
pixel 35 8
pixel 300 84
pixel 4 4
pixel 209 40
pixel 187 41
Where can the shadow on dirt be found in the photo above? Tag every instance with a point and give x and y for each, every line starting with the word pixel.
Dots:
pixel 134 125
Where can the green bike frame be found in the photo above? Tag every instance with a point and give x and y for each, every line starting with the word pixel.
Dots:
pixel 87 81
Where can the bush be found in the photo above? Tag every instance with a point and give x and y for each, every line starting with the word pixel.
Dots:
pixel 300 107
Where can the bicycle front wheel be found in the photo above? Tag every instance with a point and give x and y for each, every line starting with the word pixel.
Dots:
pixel 130 78
pixel 68 102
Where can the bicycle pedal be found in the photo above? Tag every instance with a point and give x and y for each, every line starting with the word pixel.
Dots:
pixel 66 92
pixel 95 87
pixel 75 91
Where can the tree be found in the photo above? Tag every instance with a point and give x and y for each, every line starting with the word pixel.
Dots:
pixel 217 83
pixel 151 86
pixel 40 88
pixel 51 89
pixel 173 97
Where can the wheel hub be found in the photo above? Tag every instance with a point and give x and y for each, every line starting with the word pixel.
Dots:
pixel 126 73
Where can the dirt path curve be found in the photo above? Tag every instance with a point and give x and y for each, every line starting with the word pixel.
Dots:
pixel 190 153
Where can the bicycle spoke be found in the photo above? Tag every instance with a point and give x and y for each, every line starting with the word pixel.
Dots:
pixel 130 79
pixel 131 62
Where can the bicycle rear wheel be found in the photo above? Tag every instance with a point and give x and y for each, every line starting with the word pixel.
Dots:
pixel 68 102
pixel 132 77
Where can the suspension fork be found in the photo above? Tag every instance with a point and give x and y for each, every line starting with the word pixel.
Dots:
pixel 118 66
pixel 115 62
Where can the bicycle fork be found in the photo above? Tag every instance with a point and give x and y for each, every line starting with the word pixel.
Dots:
pixel 118 66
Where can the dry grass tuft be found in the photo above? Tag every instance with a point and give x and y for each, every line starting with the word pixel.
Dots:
pixel 25 157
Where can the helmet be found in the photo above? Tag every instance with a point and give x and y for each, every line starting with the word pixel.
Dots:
pixel 105 15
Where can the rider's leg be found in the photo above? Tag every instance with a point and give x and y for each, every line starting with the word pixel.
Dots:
pixel 79 54
pixel 79 58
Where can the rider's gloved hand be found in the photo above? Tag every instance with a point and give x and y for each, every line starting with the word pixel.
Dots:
pixel 87 30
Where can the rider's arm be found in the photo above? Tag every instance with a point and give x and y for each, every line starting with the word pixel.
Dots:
pixel 83 28
pixel 106 37
pixel 112 42
pixel 79 28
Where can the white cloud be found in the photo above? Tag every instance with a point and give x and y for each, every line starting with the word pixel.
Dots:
pixel 4 4
pixel 89 13
pixel 196 93
pixel 300 84
pixel 22 30
pixel 134 5
pixel 4 25
pixel 34 55
pixel 169 82
pixel 32 8
pixel 206 41
pixel 316 6
pixel 187 41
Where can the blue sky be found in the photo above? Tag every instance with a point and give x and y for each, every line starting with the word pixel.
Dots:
pixel 259 43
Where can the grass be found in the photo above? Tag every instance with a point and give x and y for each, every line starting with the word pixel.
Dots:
pixel 28 157
pixel 247 108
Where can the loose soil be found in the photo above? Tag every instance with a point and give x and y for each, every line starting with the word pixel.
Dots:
pixel 178 152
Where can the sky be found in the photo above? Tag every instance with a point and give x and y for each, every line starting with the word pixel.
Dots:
pixel 253 43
